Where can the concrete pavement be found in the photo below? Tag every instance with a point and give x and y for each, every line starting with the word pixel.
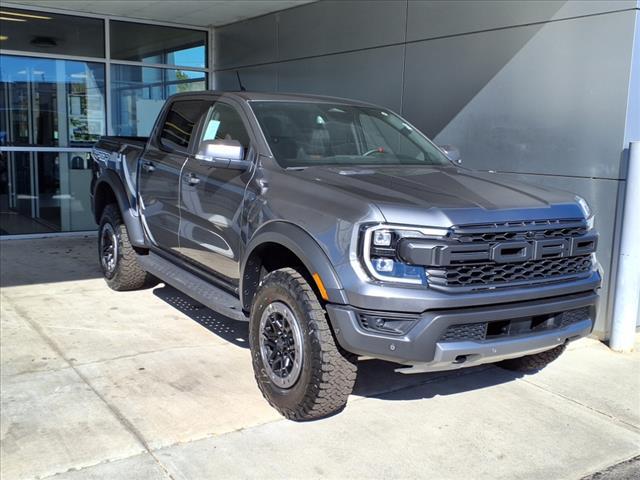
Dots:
pixel 97 384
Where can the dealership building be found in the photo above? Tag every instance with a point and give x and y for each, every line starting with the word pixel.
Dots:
pixel 543 92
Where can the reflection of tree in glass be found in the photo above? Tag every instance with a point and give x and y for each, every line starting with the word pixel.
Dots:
pixel 183 86
pixel 188 84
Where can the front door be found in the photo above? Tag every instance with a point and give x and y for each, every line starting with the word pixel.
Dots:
pixel 160 172
pixel 212 199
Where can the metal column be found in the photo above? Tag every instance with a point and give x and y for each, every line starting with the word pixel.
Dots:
pixel 627 296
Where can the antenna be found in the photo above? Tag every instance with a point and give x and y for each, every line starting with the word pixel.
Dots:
pixel 242 89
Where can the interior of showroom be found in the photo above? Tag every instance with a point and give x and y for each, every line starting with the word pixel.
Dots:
pixel 542 92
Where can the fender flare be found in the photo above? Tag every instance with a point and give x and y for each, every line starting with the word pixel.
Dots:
pixel 129 215
pixel 304 247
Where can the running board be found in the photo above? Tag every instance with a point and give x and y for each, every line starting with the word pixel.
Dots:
pixel 204 292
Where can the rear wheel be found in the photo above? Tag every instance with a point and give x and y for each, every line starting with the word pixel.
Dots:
pixel 117 257
pixel 300 369
pixel 532 363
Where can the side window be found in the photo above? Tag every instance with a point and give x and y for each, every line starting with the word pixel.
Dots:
pixel 225 123
pixel 179 123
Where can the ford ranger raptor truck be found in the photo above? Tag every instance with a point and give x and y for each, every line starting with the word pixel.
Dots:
pixel 338 230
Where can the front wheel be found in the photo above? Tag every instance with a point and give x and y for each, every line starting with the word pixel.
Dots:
pixel 117 257
pixel 300 369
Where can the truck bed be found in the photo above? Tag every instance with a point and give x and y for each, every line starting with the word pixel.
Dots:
pixel 121 155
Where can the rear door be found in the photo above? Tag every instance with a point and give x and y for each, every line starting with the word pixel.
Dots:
pixel 160 169
pixel 212 198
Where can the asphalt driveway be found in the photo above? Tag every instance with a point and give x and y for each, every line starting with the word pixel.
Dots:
pixel 150 384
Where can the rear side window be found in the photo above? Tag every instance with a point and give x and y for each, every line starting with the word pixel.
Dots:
pixel 179 123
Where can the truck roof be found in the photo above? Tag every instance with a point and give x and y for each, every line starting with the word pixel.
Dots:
pixel 281 97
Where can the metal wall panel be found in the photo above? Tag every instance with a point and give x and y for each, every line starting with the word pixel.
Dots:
pixel 245 43
pixel 543 90
pixel 557 106
pixel 602 195
pixel 263 78
pixel 338 26
pixel 443 76
pixel 430 19
pixel 632 130
pixel 371 75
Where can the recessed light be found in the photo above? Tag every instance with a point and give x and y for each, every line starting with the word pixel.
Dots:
pixel 27 15
pixel 3 37
pixel 9 19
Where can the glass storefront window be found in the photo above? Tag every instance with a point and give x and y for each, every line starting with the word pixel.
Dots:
pixel 51 33
pixel 43 192
pixel 52 109
pixel 138 94
pixel 158 44
pixel 52 103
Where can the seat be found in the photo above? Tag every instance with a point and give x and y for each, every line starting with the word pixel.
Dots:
pixel 342 139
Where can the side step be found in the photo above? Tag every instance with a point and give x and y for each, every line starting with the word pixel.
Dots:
pixel 209 295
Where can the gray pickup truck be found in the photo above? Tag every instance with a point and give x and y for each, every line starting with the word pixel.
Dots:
pixel 338 230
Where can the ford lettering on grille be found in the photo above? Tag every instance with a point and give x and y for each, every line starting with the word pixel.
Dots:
pixel 484 260
pixel 508 252
pixel 417 252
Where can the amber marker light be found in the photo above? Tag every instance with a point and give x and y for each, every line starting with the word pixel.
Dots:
pixel 320 285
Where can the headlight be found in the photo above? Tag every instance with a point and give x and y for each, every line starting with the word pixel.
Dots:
pixel 380 252
pixel 586 211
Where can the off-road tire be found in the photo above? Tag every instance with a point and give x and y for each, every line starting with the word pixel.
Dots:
pixel 328 372
pixel 532 363
pixel 127 274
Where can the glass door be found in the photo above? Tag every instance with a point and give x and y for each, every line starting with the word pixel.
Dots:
pixel 51 112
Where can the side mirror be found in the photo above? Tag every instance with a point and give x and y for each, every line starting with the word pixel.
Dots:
pixel 452 153
pixel 222 153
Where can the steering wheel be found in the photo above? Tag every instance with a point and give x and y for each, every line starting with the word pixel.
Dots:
pixel 372 151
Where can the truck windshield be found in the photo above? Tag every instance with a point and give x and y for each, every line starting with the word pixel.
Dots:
pixel 302 134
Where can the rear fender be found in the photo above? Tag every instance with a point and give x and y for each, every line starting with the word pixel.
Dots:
pixel 110 180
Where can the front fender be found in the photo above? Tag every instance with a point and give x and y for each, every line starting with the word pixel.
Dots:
pixel 303 245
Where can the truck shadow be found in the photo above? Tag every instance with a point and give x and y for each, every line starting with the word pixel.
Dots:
pixel 376 378
pixel 380 379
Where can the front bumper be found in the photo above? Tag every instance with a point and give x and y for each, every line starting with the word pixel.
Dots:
pixel 423 345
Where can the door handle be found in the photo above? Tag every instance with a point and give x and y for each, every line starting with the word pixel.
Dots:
pixel 148 166
pixel 192 179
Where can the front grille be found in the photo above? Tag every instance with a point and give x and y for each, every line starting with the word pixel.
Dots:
pixel 491 274
pixel 520 326
pixel 574 316
pixel 461 333
pixel 525 230
pixel 469 263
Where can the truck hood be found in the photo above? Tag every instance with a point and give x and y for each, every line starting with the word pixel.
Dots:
pixel 444 196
